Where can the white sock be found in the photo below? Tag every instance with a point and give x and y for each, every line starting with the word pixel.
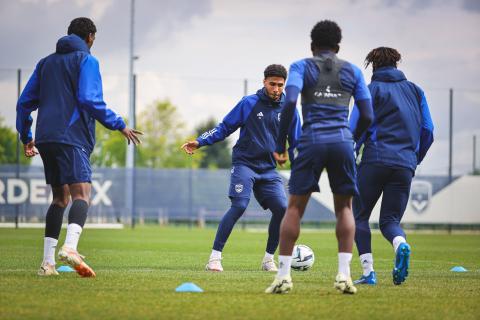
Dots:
pixel 344 259
pixel 216 254
pixel 284 265
pixel 397 241
pixel 73 235
pixel 366 260
pixel 49 246
pixel 268 256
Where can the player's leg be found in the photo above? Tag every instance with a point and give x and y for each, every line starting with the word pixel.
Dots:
pixel 270 194
pixel 77 173
pixel 278 207
pixel 289 232
pixel 345 232
pixel 342 177
pixel 238 207
pixel 241 184
pixel 54 217
pixel 394 202
pixel 77 215
pixel 304 178
pixel 370 180
pixel 80 193
pixel 53 225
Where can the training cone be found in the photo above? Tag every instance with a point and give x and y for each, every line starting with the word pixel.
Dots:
pixel 458 269
pixel 65 269
pixel 188 287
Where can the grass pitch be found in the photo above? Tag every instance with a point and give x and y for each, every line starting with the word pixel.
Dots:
pixel 138 271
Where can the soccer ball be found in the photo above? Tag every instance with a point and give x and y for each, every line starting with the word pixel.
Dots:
pixel 302 258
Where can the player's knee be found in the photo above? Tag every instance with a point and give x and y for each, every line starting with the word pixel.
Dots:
pixel 280 211
pixel 240 203
pixel 61 201
pixel 278 207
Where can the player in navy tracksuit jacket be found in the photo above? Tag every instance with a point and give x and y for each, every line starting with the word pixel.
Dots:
pixel 397 141
pixel 66 89
pixel 258 116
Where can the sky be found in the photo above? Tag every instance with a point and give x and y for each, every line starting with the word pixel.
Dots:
pixel 198 53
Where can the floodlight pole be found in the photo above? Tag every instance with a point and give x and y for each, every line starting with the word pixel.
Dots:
pixel 17 167
pixel 450 145
pixel 474 163
pixel 245 87
pixel 131 116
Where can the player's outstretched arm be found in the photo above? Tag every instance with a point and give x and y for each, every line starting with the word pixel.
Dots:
pixel 132 135
pixel 190 146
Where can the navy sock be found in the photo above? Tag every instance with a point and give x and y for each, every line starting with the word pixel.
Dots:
pixel 239 205
pixel 53 221
pixel 78 212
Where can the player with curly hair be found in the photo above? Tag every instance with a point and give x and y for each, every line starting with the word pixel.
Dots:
pixel 253 164
pixel 66 88
pixel 327 85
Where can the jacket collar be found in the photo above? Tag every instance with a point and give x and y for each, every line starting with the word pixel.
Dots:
pixel 71 43
pixel 388 74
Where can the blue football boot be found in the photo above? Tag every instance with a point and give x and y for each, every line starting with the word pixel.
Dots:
pixel 402 260
pixel 371 279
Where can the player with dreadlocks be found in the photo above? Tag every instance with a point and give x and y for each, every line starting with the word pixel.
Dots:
pixel 394 145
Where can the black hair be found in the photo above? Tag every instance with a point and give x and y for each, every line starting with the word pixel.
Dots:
pixel 383 57
pixel 82 27
pixel 275 70
pixel 326 34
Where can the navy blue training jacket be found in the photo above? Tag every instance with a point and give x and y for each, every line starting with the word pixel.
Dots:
pixel 66 88
pixel 258 116
pixel 322 123
pixel 402 131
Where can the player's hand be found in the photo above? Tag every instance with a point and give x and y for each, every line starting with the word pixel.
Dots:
pixel 132 135
pixel 30 150
pixel 190 146
pixel 281 158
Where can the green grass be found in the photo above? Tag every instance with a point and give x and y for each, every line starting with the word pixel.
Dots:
pixel 138 271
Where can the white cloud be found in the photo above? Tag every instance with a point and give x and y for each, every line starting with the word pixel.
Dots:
pixel 198 53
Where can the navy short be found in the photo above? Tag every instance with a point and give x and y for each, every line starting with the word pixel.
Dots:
pixel 65 164
pixel 265 185
pixel 337 158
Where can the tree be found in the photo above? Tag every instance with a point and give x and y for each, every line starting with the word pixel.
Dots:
pixel 217 155
pixel 164 134
pixel 110 149
pixel 8 146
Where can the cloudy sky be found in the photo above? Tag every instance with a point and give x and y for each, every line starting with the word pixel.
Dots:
pixel 198 53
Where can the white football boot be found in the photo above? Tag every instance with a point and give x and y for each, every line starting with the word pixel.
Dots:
pixel 47 269
pixel 344 284
pixel 75 260
pixel 214 264
pixel 280 285
pixel 269 265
